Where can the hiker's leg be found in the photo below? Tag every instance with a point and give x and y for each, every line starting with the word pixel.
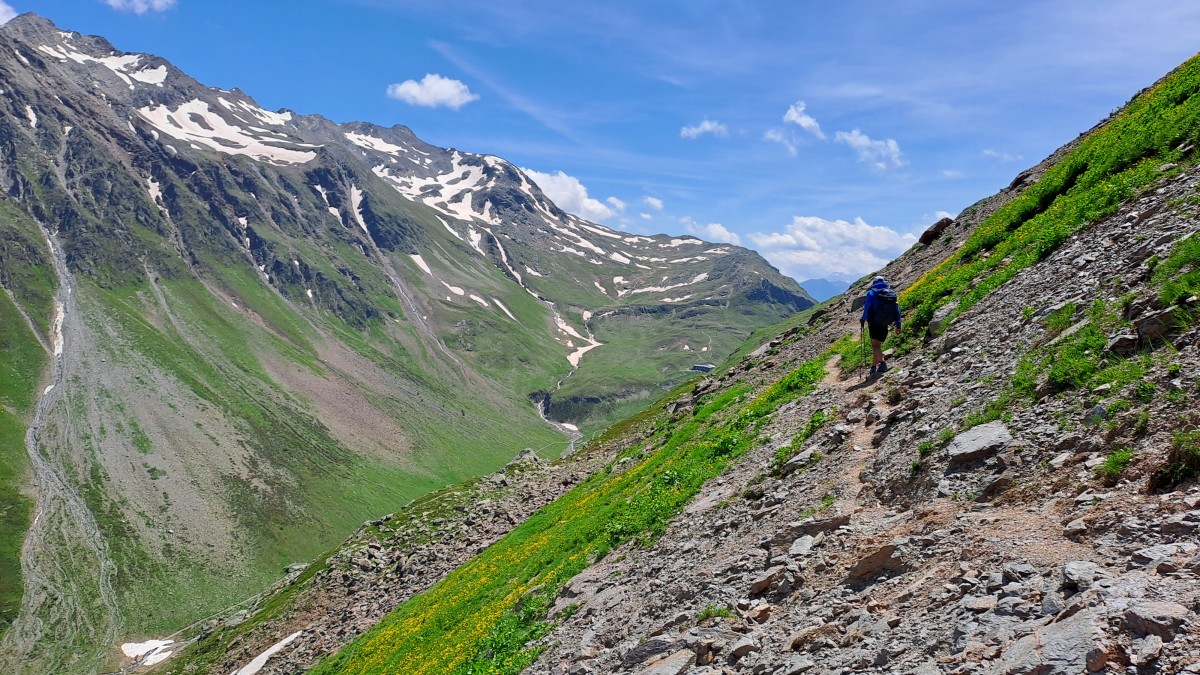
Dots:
pixel 876 352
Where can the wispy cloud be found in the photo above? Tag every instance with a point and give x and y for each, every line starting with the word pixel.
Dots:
pixel 433 91
pixel 653 202
pixel 811 247
pixel 706 127
pixel 617 204
pixel 879 155
pixel 796 115
pixel 1002 156
pixel 139 6
pixel 547 117
pixel 6 13
pixel 784 139
pixel 570 195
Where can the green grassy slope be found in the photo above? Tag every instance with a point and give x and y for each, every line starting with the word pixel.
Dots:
pixel 27 278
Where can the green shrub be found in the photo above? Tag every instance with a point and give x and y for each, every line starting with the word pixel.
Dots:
pixel 1115 463
pixel 712 611
pixel 1183 461
pixel 1061 319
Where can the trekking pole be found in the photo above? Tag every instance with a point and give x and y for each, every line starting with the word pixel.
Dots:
pixel 862 337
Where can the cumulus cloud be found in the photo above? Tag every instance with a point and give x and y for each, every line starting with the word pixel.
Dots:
pixel 141 6
pixel 879 155
pixel 714 232
pixel 796 115
pixel 617 204
pixel 706 127
pixel 432 91
pixel 6 13
pixel 570 195
pixel 653 202
pixel 811 247
pixel 646 216
pixel 777 136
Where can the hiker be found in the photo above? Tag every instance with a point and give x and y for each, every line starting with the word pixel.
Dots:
pixel 879 311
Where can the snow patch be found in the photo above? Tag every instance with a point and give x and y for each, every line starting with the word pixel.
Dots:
pixel 155 76
pixel 660 289
pixel 356 196
pixel 475 238
pixel 22 58
pixel 372 143
pixel 504 309
pixel 478 299
pixel 195 122
pixel 33 118
pixel 259 661
pixel 680 242
pixel 421 263
pixel 619 258
pixel 454 289
pixel 449 229
pixel 533 272
pixel 151 649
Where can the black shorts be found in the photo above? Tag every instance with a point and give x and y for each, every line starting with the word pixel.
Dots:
pixel 877 332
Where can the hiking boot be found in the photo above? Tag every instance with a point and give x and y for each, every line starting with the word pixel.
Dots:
pixel 872 373
pixel 882 367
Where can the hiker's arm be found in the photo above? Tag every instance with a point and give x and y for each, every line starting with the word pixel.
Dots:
pixel 866 307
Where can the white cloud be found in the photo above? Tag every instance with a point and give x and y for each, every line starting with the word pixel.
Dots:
pixel 432 91
pixel 141 6
pixel 6 13
pixel 570 195
pixel 617 204
pixel 714 232
pixel 811 247
pixel 646 216
pixel 777 136
pixel 653 202
pixel 952 173
pixel 797 116
pixel 880 155
pixel 706 127
pixel 1002 156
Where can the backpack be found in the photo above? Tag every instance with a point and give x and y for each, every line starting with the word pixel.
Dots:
pixel 885 310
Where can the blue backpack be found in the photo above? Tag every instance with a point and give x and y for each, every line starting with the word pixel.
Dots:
pixel 885 310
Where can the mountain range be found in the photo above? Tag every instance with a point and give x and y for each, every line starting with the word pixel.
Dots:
pixel 231 335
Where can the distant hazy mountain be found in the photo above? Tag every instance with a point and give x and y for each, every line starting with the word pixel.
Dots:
pixel 234 334
pixel 824 289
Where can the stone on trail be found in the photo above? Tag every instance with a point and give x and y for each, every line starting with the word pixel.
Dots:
pixel 1163 619
pixel 979 442
pixel 675 664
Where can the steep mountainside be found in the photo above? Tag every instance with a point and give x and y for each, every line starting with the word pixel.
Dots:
pixel 1017 493
pixel 231 335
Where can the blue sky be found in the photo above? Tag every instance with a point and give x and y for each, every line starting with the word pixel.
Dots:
pixel 824 135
